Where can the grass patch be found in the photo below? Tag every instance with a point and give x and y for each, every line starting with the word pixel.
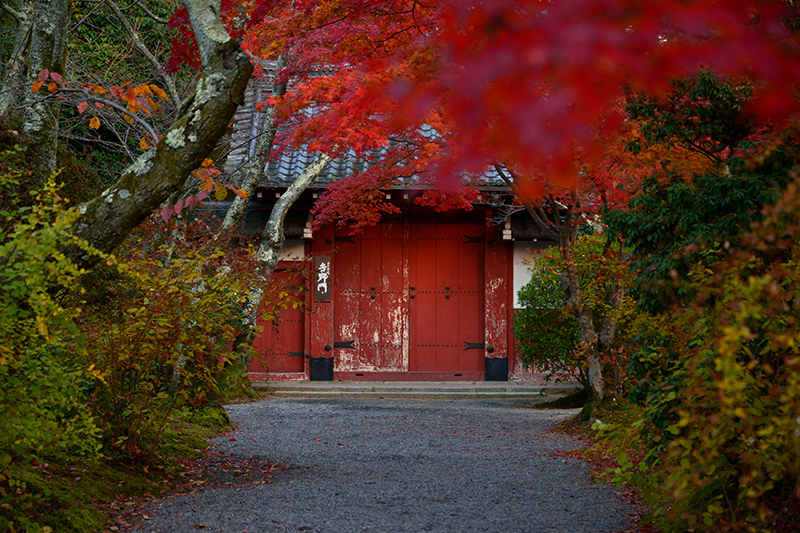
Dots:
pixel 614 448
pixel 86 495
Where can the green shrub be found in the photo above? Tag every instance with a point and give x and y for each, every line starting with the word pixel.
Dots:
pixel 161 329
pixel 736 450
pixel 546 326
pixel 545 329
pixel 42 378
pixel 724 448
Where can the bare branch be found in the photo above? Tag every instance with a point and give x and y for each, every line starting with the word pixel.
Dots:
pixel 139 44
pixel 89 14
pixel 150 13
pixel 534 210
pixel 18 16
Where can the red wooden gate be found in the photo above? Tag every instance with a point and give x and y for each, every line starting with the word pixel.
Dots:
pixel 408 298
pixel 370 303
pixel 447 326
pixel 280 344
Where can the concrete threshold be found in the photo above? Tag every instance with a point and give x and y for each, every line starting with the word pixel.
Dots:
pixel 415 389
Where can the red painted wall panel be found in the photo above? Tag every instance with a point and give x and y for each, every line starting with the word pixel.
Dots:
pixel 321 313
pixel 497 293
pixel 280 345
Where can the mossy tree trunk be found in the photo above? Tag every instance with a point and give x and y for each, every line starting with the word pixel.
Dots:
pixel 157 173
pixel 46 50
pixel 273 236
pixel 560 222
pixel 16 63
pixel 254 167
pixel 107 220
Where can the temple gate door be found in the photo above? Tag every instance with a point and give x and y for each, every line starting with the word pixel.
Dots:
pixel 370 299
pixel 446 290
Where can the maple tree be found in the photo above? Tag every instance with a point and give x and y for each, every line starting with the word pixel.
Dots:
pixel 525 87
pixel 530 89
pixel 525 83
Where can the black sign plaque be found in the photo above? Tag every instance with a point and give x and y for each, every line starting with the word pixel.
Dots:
pixel 322 278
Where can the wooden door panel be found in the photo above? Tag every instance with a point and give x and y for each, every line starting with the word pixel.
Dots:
pixel 346 295
pixel 280 344
pixel 447 313
pixel 368 339
pixel 424 306
pixel 371 306
pixel 393 298
pixel 409 296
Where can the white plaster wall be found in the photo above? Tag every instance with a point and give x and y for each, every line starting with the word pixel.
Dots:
pixel 293 250
pixel 524 253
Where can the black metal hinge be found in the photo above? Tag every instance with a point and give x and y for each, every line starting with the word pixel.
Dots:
pixel 297 354
pixel 344 239
pixel 474 345
pixel 471 239
pixel 347 345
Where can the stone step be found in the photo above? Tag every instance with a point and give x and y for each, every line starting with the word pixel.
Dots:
pixel 420 389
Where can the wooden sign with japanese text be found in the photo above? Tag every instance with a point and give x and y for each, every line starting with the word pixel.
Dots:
pixel 322 278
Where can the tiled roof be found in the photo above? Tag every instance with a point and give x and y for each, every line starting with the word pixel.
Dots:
pixel 283 170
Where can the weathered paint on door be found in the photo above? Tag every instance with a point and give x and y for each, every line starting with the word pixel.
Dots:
pixel 446 313
pixel 370 300
pixel 280 343
pixel 408 297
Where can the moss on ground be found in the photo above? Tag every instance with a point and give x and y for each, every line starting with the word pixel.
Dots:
pixel 84 495
pixel 571 401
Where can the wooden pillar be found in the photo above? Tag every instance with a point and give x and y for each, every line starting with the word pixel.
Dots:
pixel 321 349
pixel 496 303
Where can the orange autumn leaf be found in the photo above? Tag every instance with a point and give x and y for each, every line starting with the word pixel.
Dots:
pixel 158 91
pixel 94 123
pixel 144 90
pixel 37 86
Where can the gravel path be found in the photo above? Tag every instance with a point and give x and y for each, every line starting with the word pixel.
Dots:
pixel 392 465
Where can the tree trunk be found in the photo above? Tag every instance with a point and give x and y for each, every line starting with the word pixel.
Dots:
pixel 586 330
pixel 273 239
pixel 108 219
pixel 47 50
pixel 607 335
pixel 255 166
pixel 273 236
pixel 15 68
